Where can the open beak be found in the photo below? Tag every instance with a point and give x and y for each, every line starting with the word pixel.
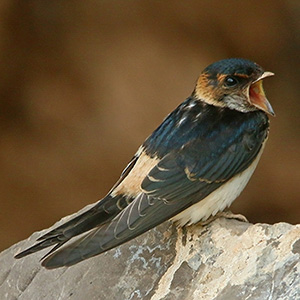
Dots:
pixel 257 95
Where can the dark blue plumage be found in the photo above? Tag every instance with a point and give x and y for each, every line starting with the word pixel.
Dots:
pixel 212 143
pixel 196 120
pixel 191 167
pixel 233 66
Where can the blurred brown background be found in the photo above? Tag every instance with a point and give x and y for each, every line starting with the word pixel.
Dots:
pixel 83 83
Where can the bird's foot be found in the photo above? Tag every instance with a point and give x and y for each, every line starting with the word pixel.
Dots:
pixel 227 215
pixel 230 215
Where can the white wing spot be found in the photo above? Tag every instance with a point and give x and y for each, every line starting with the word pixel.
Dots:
pixel 149 202
pixel 162 169
pixel 181 121
pixel 153 179
pixel 198 115
pixel 191 104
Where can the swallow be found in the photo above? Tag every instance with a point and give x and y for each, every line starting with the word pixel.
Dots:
pixel 194 165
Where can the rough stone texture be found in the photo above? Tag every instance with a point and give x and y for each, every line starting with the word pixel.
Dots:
pixel 226 259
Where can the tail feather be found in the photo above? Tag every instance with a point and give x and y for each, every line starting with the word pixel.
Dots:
pixel 96 230
pixel 85 221
pixel 89 219
pixel 40 246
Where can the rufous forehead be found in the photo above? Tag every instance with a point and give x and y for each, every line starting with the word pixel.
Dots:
pixel 221 77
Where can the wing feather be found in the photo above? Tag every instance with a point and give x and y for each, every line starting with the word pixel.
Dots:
pixel 141 215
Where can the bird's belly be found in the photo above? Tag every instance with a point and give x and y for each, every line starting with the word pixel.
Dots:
pixel 218 200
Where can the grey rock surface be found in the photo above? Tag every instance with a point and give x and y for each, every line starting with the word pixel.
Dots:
pixel 226 259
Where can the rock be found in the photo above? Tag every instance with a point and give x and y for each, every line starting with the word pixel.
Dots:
pixel 226 259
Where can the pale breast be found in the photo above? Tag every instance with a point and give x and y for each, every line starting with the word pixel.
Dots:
pixel 219 199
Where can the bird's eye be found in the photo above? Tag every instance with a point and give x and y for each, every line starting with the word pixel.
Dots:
pixel 231 81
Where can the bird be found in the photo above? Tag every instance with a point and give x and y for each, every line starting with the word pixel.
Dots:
pixel 192 167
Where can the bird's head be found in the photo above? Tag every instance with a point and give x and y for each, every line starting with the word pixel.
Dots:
pixel 234 83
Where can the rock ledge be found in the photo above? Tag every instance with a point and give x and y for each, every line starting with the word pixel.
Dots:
pixel 226 259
